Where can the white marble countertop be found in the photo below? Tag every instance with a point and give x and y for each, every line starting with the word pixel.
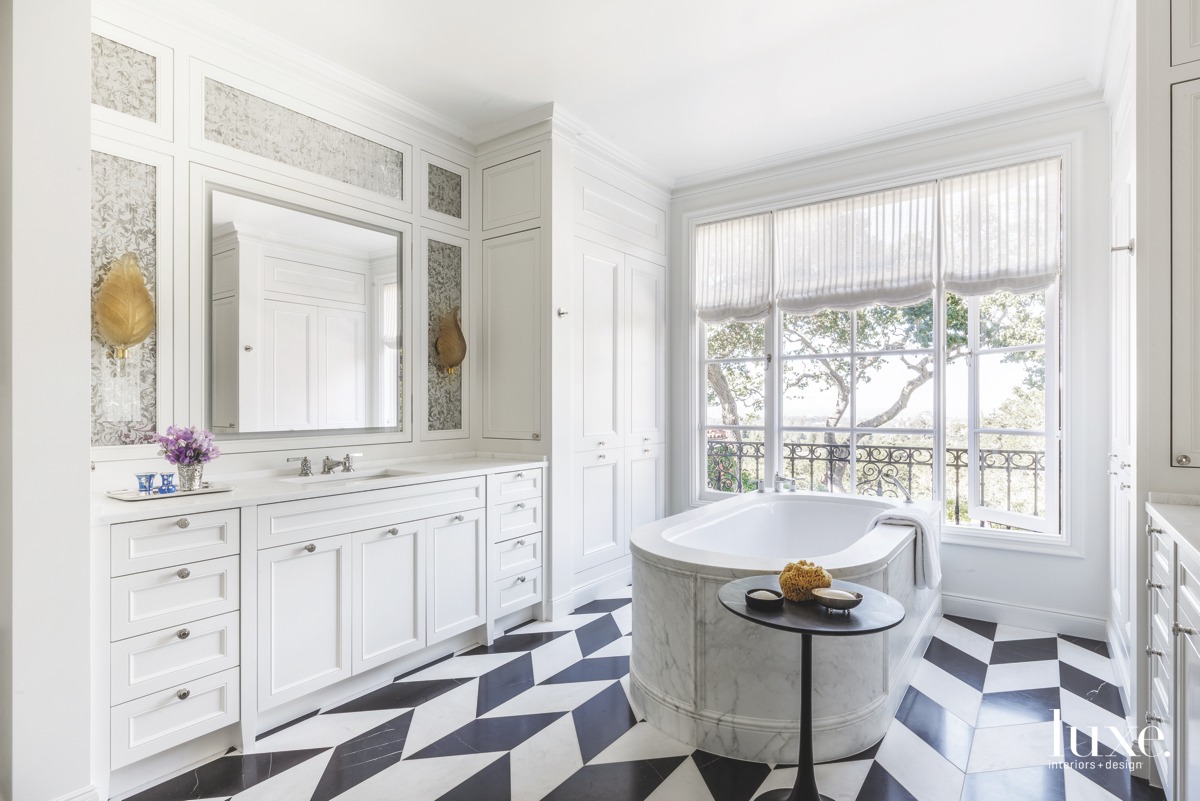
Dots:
pixel 259 489
pixel 1181 513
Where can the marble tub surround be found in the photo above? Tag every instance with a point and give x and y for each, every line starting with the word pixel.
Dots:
pixel 544 715
pixel 697 671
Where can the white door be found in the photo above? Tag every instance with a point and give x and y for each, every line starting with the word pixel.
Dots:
pixel 1187 719
pixel 388 606
pixel 1185 31
pixel 598 361
pixel 646 484
pixel 457 570
pixel 511 346
pixel 646 346
pixel 597 509
pixel 1185 270
pixel 342 368
pixel 288 399
pixel 1122 386
pixel 303 618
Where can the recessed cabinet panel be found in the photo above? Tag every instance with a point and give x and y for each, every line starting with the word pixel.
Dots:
pixel 160 659
pixel 512 336
pixel 1185 272
pixel 164 541
pixel 145 602
pixel 1185 31
pixel 389 593
pixel 515 486
pixel 597 508
pixel 512 191
pixel 516 556
pixel 515 519
pixel 303 619
pixel 342 369
pixel 647 485
pixel 598 346
pixel 457 568
pixel 1188 724
pixel 646 326
pixel 517 592
pixel 321 281
pixel 289 367
pixel 613 211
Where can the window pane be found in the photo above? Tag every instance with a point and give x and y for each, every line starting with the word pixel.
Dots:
pixel 734 340
pixel 895 391
pixel 957 479
pixel 956 325
pixel 811 395
pixel 735 459
pixel 735 393
pixel 1012 473
pixel 908 458
pixel 1012 390
pixel 818 461
pixel 894 328
pixel 814 334
pixel 1007 320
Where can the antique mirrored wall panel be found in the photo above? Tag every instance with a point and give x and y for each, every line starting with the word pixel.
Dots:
pixel 305 320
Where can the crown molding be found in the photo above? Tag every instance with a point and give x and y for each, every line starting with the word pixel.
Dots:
pixel 568 125
pixel 1054 99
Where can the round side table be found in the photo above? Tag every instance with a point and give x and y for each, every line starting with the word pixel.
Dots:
pixel 877 612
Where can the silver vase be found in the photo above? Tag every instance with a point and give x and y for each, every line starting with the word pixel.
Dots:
pixel 190 476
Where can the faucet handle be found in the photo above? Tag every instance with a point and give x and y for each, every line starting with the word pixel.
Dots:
pixel 348 462
pixel 305 465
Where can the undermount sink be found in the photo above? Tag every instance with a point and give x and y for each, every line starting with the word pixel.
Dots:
pixel 340 479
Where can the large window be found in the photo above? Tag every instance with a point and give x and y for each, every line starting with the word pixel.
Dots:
pixel 898 343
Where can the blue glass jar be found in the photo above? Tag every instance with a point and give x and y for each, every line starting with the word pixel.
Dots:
pixel 168 483
pixel 145 481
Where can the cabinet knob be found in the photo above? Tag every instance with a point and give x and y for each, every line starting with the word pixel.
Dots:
pixel 393 531
pixel 646 451
pixel 310 547
pixel 521 505
pixel 183 634
pixel 1178 629
pixel 1154 585
pixel 248 348
pixel 459 518
pixel 602 456
pixel 520 475
pixel 1183 461
pixel 183 572
pixel 1125 486
pixel 521 579
pixel 645 440
pixel 183 694
pixel 519 543
pixel 183 522
pixel 1125 465
pixel 1153 718
pixel 1154 651
pixel 602 443
pixel 1112 472
pixel 562 312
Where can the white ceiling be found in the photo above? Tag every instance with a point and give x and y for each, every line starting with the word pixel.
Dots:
pixel 691 86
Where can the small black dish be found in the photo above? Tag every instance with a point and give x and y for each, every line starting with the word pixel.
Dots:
pixel 773 603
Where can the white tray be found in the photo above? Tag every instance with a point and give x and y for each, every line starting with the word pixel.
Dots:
pixel 134 495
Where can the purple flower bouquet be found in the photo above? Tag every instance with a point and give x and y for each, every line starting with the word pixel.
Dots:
pixel 188 449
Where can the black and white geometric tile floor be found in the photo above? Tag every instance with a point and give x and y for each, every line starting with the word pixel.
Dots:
pixel 544 715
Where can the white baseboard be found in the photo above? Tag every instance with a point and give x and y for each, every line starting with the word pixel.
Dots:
pixel 1027 617
pixel 86 794
pixel 586 593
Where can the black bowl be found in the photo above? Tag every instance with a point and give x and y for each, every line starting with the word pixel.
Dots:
pixel 772 603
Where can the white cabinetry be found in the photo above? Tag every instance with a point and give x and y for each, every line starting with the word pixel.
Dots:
pixel 304 618
pixel 598 508
pixel 512 335
pixel 515 542
pixel 388 605
pixel 457 570
pixel 1185 274
pixel 1185 31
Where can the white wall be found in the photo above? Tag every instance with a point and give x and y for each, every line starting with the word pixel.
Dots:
pixel 1012 585
pixel 44 328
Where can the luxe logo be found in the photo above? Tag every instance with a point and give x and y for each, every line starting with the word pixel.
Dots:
pixel 1130 743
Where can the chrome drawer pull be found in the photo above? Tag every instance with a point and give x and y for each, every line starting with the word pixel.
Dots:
pixel 183 634
pixel 1154 652
pixel 183 572
pixel 602 443
pixel 1154 585
pixel 183 522
pixel 459 518
pixel 310 547
pixel 518 543
pixel 393 531
pixel 602 456
pixel 521 505
pixel 1178 629
pixel 183 694
pixel 521 579
pixel 519 475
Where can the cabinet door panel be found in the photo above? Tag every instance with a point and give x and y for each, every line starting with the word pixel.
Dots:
pixel 646 335
pixel 1185 270
pixel 646 485
pixel 1185 31
pixel 512 336
pixel 289 367
pixel 597 508
pixel 342 369
pixel 1187 723
pixel 457 567
pixel 304 618
pixel 389 593
pixel 598 343
pixel 512 191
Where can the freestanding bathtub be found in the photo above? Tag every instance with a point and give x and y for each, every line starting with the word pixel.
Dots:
pixel 728 686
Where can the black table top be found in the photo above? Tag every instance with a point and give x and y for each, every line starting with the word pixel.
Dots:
pixel 877 612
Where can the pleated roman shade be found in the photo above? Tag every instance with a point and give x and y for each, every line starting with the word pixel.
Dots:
pixel 733 269
pixel 1001 229
pixel 858 251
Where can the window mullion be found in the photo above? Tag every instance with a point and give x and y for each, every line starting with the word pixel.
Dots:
pixel 852 408
pixel 773 392
pixel 973 421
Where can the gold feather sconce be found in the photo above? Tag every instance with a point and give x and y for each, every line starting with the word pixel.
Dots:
pixel 123 309
pixel 450 344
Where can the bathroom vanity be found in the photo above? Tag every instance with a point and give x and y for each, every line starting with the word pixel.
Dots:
pixel 229 614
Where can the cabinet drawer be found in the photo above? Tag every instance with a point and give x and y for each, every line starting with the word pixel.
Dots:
pixel 1187 587
pixel 518 555
pixel 514 519
pixel 166 541
pixel 165 719
pixel 1161 552
pixel 299 521
pixel 517 592
pixel 1159 602
pixel 514 486
pixel 146 602
pixel 162 659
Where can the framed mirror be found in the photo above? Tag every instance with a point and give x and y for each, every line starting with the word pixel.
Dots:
pixel 304 320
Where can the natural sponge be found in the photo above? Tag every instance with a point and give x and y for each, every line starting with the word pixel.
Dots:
pixel 798 579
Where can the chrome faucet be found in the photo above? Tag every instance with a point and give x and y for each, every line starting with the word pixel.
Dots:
pixel 791 482
pixel 347 464
pixel 899 486
pixel 305 465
